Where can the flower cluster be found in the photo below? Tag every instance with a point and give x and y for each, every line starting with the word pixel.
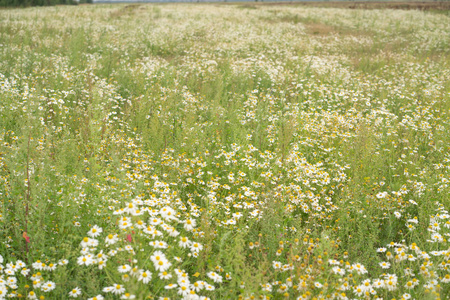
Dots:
pixel 231 152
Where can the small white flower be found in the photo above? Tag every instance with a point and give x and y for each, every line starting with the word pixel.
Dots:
pixel 145 276
pixel 215 277
pixel 75 292
pixel 95 231
pixel 124 268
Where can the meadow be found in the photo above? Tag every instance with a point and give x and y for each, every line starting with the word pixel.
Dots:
pixel 224 151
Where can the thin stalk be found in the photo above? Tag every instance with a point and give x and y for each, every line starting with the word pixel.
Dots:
pixel 27 196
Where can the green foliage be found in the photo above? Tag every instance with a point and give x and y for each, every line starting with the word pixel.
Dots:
pixel 251 151
pixel 28 3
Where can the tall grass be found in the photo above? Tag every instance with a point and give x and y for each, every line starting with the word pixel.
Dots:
pixel 273 152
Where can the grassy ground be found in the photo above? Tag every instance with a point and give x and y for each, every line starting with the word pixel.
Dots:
pixel 224 151
pixel 404 5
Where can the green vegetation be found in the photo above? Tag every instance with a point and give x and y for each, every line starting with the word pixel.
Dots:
pixel 28 3
pixel 220 152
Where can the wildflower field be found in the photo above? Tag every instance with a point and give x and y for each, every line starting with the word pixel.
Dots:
pixel 224 151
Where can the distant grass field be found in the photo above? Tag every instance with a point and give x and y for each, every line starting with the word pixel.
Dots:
pixel 405 5
pixel 238 151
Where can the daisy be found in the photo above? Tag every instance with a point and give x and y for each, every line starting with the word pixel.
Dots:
pixel 411 257
pixel 135 271
pixel 214 276
pixel 75 292
pixel 36 265
pixel 3 291
pixel 101 255
pixel 88 242
pixel 155 221
pixel 95 231
pixel 84 251
pixel 198 286
pixel 345 286
pixel 50 267
pixel 377 283
pixel 127 296
pixel 167 213
pixel 145 277
pixel 124 224
pixel 162 265
pixel 266 287
pixel 150 230
pixel 170 286
pixel 159 244
pixel 334 262
pixel 184 242
pixel 111 239
pixel 124 268
pixel 48 286
pixel 157 256
pixel 184 290
pixel 276 265
pixel 164 275
pixel 390 285
pixel 190 224
pixel 118 289
pixel 358 291
pixel 436 237
pixel 381 195
pixel 446 278
pixel 20 264
pixel 338 270
pixel 101 263
pixel 173 232
pixel 37 283
pixel 130 208
pixel 32 295
pixel 85 260
pixel 360 269
pixel 196 247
